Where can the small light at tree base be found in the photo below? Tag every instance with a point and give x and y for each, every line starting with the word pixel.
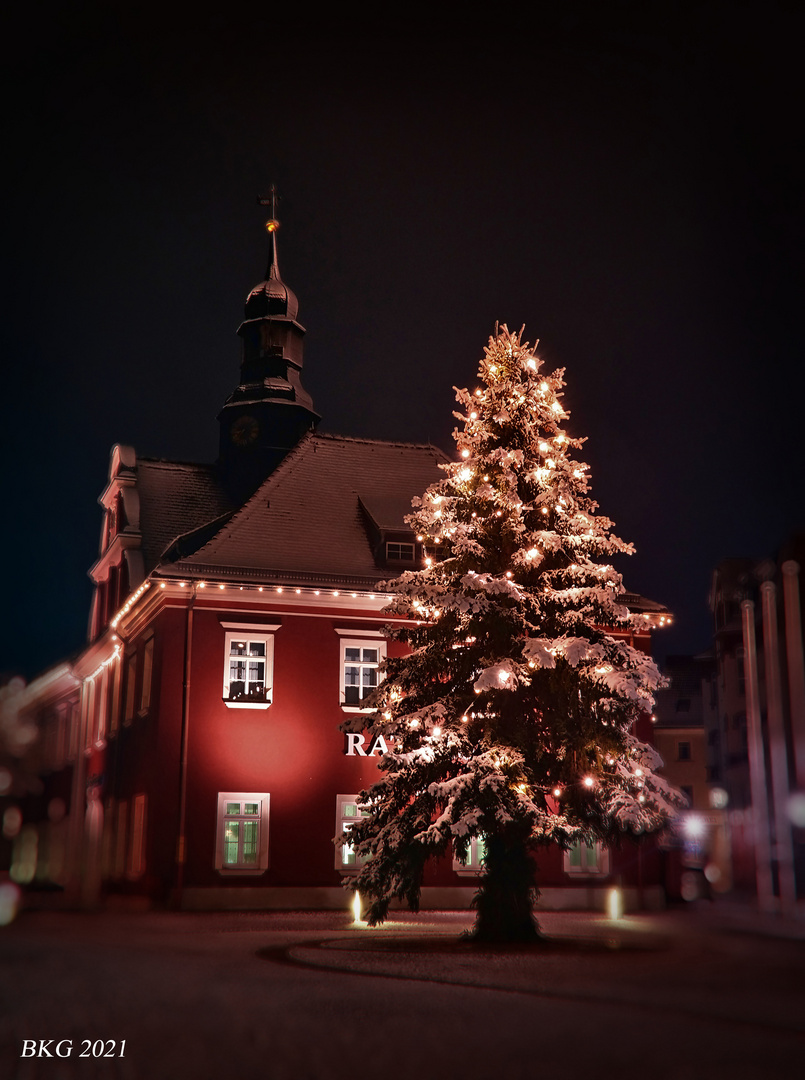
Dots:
pixel 615 904
pixel 356 909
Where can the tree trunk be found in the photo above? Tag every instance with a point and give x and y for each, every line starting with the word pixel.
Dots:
pixel 505 901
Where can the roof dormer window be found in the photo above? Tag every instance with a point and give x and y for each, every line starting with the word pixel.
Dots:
pixel 399 552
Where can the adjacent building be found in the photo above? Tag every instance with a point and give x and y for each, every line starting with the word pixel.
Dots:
pixel 758 736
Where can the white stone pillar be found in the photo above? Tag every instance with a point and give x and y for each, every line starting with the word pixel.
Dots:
pixel 757 765
pixel 784 851
pixel 796 665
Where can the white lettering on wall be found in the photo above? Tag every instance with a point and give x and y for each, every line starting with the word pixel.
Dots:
pixel 378 746
pixel 356 746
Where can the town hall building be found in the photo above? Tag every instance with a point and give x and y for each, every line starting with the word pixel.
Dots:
pixel 192 755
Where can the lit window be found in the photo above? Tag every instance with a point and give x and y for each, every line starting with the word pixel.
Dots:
pixel 242 834
pixel 400 552
pixel 472 863
pixel 583 858
pixel 248 665
pixel 361 657
pixel 348 811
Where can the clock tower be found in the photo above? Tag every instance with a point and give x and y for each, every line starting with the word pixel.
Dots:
pixel 269 411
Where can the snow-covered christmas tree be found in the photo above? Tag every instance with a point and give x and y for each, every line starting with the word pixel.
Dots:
pixel 511 718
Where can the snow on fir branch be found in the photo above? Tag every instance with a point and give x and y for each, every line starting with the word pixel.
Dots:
pixel 510 719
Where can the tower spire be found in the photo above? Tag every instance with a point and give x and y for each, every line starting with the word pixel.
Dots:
pixel 269 410
pixel 272 226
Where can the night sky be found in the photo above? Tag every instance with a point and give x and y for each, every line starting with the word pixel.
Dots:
pixel 626 180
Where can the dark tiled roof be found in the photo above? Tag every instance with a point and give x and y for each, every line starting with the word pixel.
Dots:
pixel 387 511
pixel 175 498
pixel 306 518
pixel 639 605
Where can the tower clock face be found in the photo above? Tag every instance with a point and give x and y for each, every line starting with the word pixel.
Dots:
pixel 244 431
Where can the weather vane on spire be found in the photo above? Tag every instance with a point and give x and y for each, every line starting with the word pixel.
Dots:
pixel 272 224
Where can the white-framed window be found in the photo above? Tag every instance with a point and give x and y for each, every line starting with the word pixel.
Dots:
pixel 586 859
pixel 241 845
pixel 347 811
pixel 248 665
pixel 473 862
pixel 362 652
pixel 399 552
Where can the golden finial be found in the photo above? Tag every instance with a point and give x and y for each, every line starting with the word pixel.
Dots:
pixel 272 224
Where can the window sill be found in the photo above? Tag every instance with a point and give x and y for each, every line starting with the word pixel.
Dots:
pixel 356 708
pixel 236 871
pixel 247 704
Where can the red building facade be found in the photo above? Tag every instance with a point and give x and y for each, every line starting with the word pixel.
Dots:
pixel 195 753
